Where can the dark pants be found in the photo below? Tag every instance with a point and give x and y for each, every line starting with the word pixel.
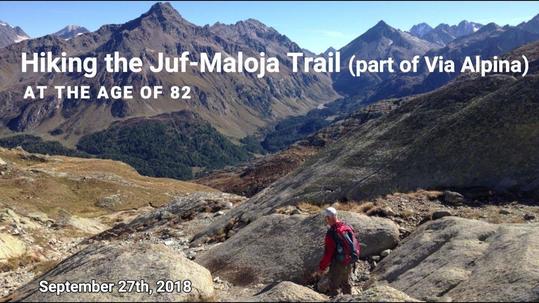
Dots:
pixel 339 277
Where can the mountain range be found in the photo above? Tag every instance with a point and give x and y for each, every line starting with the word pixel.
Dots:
pixel 444 33
pixel 380 42
pixel 235 104
pixel 10 35
pixel 490 40
pixel 276 110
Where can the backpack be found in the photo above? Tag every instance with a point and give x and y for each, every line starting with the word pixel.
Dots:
pixel 348 247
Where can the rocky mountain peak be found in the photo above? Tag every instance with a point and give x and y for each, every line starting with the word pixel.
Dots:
pixel 330 49
pixel 19 31
pixel 382 25
pixel 256 24
pixel 532 25
pixel 419 30
pixel 163 12
pixel 489 27
pixel 10 34
pixel 465 28
pixel 442 26
pixel 381 29
pixel 71 31
pixel 251 26
pixel 163 8
pixel 161 17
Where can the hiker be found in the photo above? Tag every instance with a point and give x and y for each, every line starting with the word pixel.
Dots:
pixel 340 253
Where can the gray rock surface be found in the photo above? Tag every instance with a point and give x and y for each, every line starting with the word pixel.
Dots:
pixel 181 209
pixel 282 247
pixel 452 197
pixel 288 292
pixel 438 214
pixel 113 262
pixel 466 260
pixel 385 253
pixel 377 293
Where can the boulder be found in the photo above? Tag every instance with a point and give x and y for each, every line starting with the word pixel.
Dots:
pixel 114 262
pixel 2 162
pixel 180 209
pixel 438 214
pixel 288 292
pixel 466 260
pixel 11 247
pixel 385 253
pixel 282 247
pixel 529 217
pixel 40 217
pixel 504 211
pixel 454 198
pixel 377 293
pixel 109 202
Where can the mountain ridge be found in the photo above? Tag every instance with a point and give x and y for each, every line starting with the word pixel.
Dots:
pixel 10 34
pixel 237 105
pixel 71 31
pixel 444 33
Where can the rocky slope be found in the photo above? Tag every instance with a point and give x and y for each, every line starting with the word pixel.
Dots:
pixel 474 133
pixel 247 180
pixel 10 35
pixel 287 292
pixel 295 250
pixel 466 260
pixel 255 263
pixel 94 261
pixel 236 104
pixel 49 204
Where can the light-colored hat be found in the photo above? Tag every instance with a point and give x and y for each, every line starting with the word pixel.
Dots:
pixel 330 212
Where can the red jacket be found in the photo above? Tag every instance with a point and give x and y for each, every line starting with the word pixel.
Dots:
pixel 330 246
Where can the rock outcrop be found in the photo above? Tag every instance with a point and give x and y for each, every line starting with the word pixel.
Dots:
pixel 180 209
pixel 10 247
pixel 116 262
pixel 281 247
pixel 49 204
pixel 466 260
pixel 377 293
pixel 288 292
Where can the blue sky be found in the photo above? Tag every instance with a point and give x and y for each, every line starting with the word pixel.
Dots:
pixel 313 25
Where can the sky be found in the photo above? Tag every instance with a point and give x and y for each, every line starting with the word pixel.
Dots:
pixel 313 25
